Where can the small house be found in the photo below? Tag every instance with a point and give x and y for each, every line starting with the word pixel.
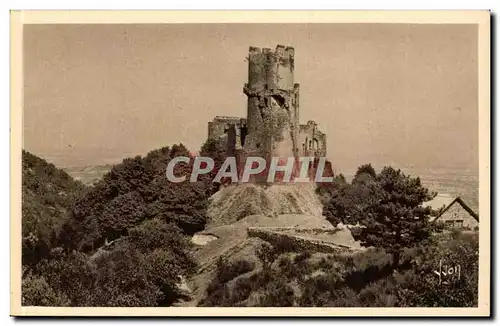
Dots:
pixel 453 212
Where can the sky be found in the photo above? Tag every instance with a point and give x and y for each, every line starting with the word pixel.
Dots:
pixel 387 94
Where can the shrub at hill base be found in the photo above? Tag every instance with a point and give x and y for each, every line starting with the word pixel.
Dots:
pixel 366 279
pixel 454 255
pixel 47 196
pixel 141 270
pixel 121 242
pixel 402 267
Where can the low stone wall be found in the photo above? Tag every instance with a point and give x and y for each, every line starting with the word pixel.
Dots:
pixel 296 229
pixel 299 243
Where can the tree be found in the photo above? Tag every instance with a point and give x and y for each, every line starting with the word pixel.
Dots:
pixel 394 218
pixel 352 202
pixel 47 195
pixel 68 275
pixel 155 234
pixel 122 213
pixel 137 189
pixel 63 252
pixel 365 174
pixel 344 202
pixel 143 269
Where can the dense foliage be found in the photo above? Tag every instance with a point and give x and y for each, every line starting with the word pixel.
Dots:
pixel 137 190
pixel 47 196
pixel 124 242
pixel 120 242
pixel 387 207
pixel 365 279
pixel 409 263
pixel 142 269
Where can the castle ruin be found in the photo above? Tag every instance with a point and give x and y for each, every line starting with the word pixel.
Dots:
pixel 272 127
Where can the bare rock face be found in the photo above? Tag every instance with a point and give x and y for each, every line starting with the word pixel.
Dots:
pixel 203 239
pixel 236 202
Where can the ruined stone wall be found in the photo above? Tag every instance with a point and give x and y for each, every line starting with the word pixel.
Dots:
pixel 312 141
pixel 298 243
pixel 272 109
pixel 272 127
pixel 231 129
pixel 218 126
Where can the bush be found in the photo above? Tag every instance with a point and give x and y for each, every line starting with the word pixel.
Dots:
pixel 37 292
pixel 69 275
pixel 219 293
pixel 47 194
pixel 228 271
pixel 142 269
pixel 420 286
pixel 277 294
pixel 365 279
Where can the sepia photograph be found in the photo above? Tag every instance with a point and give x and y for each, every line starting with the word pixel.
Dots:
pixel 186 161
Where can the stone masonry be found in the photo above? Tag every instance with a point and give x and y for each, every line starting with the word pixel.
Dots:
pixel 271 128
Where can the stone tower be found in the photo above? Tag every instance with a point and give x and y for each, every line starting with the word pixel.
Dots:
pixel 273 103
pixel 271 128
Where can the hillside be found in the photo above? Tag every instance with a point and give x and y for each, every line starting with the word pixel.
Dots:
pixel 241 240
pixel 135 239
pixel 290 254
pixel 47 196
pixel 67 258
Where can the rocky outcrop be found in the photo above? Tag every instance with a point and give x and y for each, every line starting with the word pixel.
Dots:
pixel 235 202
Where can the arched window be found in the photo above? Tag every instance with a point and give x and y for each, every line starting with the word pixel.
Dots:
pixel 316 143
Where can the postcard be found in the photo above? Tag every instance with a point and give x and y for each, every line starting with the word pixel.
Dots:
pixel 335 163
